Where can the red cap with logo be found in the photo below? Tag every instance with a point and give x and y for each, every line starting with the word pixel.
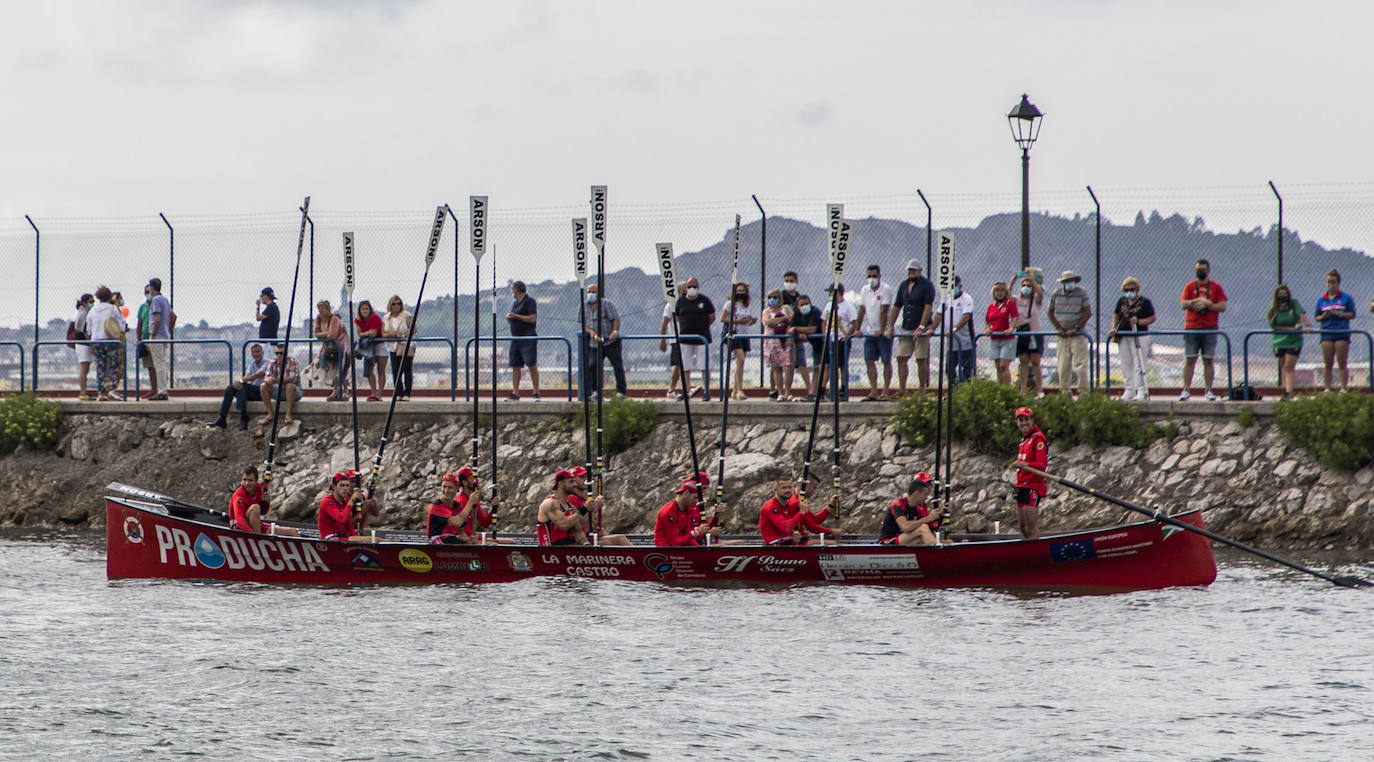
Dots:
pixel 923 477
pixel 465 472
pixel 343 476
pixel 1023 412
pixel 561 475
pixel 687 486
pixel 578 471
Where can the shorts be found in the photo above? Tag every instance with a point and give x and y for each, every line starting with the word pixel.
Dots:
pixel 799 353
pixel 83 353
pixel 1003 349
pixel 381 349
pixel 157 357
pixel 1332 336
pixel 1026 496
pixel 878 347
pixel 913 346
pixel 297 394
pixel 1281 351
pixel 1205 343
pixel 1029 345
pixel 693 356
pixel 524 354
pixel 739 344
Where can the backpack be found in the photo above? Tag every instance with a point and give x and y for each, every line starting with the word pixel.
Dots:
pixel 1244 393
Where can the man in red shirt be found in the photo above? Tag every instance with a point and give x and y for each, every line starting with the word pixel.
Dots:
pixel 1034 451
pixel 444 520
pixel 783 522
pixel 336 512
pixel 586 506
pixel 1203 300
pixel 559 522
pixel 909 520
pixel 675 525
pixel 249 503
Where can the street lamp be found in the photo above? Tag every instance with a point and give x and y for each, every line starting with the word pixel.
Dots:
pixel 1024 120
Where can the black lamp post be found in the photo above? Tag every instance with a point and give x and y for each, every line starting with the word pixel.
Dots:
pixel 1025 128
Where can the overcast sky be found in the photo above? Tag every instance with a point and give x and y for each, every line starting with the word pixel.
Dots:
pixel 118 109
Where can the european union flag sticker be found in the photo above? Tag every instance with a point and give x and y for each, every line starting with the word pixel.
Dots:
pixel 1077 550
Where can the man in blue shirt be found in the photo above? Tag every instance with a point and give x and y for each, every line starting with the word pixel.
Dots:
pixel 268 314
pixel 161 317
pixel 522 316
pixel 915 297
pixel 246 387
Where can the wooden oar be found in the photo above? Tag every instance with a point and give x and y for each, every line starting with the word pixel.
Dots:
pixel 668 278
pixel 1158 515
pixel 356 501
pixel 286 349
pixel 725 382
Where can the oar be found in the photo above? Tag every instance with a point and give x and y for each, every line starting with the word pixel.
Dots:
pixel 834 214
pixel 435 233
pixel 579 230
pixel 598 218
pixel 669 280
pixel 355 503
pixel 841 254
pixel 1165 518
pixel 725 382
pixel 495 494
pixel 286 347
pixel 477 245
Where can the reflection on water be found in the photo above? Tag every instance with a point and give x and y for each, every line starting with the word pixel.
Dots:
pixel 1264 664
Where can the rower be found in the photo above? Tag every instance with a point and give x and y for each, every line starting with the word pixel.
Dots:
pixel 675 524
pixel 909 521
pixel 470 501
pixel 783 522
pixel 248 504
pixel 336 509
pixel 1030 488
pixel 559 522
pixel 578 499
pixel 445 518
pixel 813 488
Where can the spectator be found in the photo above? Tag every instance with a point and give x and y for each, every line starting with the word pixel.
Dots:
pixel 396 326
pixel 1068 312
pixel 104 322
pixel 1133 314
pixel 118 300
pixel 329 331
pixel 790 297
pixel 912 304
pixel 695 314
pixel 740 316
pixel 1203 300
pixel 247 387
pixel 77 331
pixel 790 294
pixel 875 302
pixel 268 314
pixel 777 319
pixel 1000 317
pixel 603 326
pixel 1334 311
pixel 805 328
pixel 289 375
pixel 145 325
pixel 523 353
pixel 1030 299
pixel 162 319
pixel 1288 320
pixel 840 332
pixel 959 333
pixel 372 350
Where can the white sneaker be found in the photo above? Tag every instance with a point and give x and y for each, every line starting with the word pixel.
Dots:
pixel 1143 397
pixel 1211 397
pixel 1184 395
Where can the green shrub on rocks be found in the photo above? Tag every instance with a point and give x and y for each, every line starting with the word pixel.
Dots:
pixel 983 416
pixel 25 419
pixel 625 422
pixel 1336 427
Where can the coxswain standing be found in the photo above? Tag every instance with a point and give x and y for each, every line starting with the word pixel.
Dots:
pixel 909 520
pixel 249 504
pixel 783 522
pixel 445 518
pixel 1030 488
pixel 559 521
pixel 336 509
pixel 675 525
pixel 585 508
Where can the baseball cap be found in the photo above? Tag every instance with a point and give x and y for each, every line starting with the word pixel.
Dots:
pixel 561 475
pixel 268 292
pixel 923 477
pixel 1023 411
pixel 578 471
pixel 687 486
pixel 343 476
pixel 913 264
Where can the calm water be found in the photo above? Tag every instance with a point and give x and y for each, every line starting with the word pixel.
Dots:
pixel 1264 664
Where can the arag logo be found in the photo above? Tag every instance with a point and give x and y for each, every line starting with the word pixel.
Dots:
pixel 417 561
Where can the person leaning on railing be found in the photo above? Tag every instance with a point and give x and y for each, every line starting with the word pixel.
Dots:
pixel 1288 321
pixel 1134 313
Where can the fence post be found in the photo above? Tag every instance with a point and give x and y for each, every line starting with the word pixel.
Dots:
pixel 1280 198
pixel 171 301
pixel 1097 313
pixel 310 288
pixel 928 233
pixel 37 246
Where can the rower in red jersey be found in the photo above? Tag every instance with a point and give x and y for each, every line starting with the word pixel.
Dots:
pixel 782 522
pixel 1034 451
pixel 337 509
pixel 587 506
pixel 445 518
pixel 249 504
pixel 909 520
pixel 470 501
pixel 559 522
pixel 813 489
pixel 675 523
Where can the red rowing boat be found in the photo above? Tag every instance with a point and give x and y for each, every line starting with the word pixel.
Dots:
pixel 150 535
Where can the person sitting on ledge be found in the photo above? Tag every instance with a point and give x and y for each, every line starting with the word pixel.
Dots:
pixel 337 509
pixel 908 520
pixel 249 504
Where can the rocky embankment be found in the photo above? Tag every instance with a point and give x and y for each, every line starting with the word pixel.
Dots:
pixel 1253 484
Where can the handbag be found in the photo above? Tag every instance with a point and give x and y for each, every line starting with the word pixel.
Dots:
pixel 113 329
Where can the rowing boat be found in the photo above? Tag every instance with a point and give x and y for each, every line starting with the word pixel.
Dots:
pixel 154 536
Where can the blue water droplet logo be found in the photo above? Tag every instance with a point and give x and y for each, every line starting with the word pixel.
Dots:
pixel 208 553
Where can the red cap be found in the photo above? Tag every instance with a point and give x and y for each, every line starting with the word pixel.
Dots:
pixel 561 475
pixel 465 472
pixel 449 479
pixel 923 477
pixel 344 476
pixel 1020 411
pixel 702 478
pixel 687 486
pixel 578 471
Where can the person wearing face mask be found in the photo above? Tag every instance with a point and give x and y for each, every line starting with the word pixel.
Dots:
pixel 1133 314
pixel 1288 322
pixel 77 331
pixel 603 325
pixel 740 315
pixel 804 328
pixel 790 295
pixel 145 326
pixel 1202 301
pixel 1030 298
pixel 695 314
pixel 1068 312
pixel 875 302
pixel 1000 316
pixel 912 304
pixel 777 318
pixel 959 366
pixel 1334 311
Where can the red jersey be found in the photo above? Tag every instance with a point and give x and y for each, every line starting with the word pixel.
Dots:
pixel 1034 452
pixel 477 516
pixel 548 533
pixel 437 517
pixel 240 502
pixel 1211 291
pixel 794 504
pixel 336 519
pixel 675 526
pixel 777 521
pixel 999 318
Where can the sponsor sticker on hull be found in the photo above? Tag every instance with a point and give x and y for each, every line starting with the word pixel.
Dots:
pixel 866 566
pixel 258 553
pixel 417 561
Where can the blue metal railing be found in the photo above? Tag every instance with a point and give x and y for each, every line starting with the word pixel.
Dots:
pixel 687 338
pixel 124 365
pixel 1245 350
pixel 310 355
pixel 1107 364
pixel 467 359
pixel 1093 380
pixel 167 382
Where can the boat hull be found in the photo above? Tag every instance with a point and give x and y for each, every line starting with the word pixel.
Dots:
pixel 144 541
